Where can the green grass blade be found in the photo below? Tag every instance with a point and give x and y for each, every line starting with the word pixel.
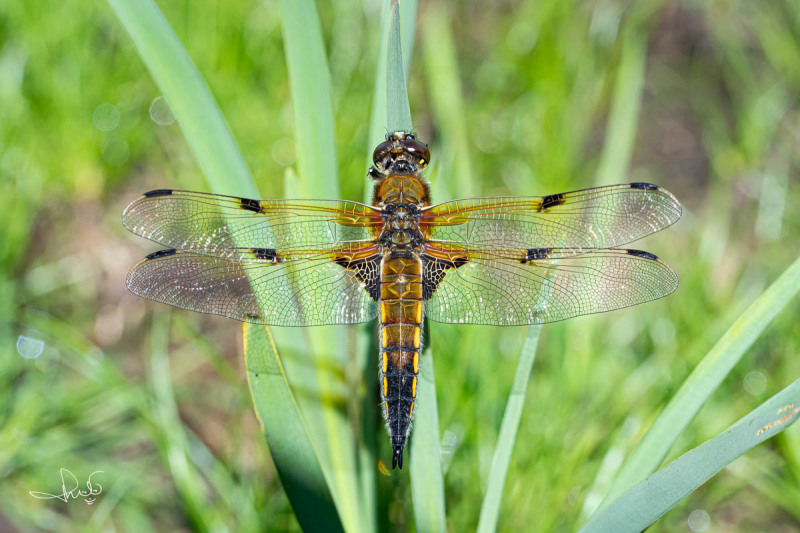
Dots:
pixel 447 104
pixel 427 482
pixel 704 380
pixel 290 446
pixel 201 121
pixel 310 84
pixel 378 119
pixel 624 116
pixel 171 439
pixel 644 503
pixel 398 112
pixel 490 509
pixel 210 139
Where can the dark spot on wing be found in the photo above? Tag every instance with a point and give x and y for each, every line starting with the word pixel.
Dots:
pixel 644 186
pixel 158 192
pixel 536 254
pixel 161 253
pixel 250 205
pixel 642 254
pixel 267 254
pixel 434 270
pixel 366 271
pixel 552 200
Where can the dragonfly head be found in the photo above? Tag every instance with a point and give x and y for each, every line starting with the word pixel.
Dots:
pixel 400 153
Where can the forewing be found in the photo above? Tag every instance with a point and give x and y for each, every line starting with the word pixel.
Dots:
pixel 210 224
pixel 600 217
pixel 303 287
pixel 478 285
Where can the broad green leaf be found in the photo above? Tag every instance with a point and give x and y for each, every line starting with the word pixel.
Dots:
pixel 704 380
pixel 490 509
pixel 646 501
pixel 285 431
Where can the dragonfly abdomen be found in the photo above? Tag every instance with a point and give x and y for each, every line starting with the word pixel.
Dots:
pixel 401 344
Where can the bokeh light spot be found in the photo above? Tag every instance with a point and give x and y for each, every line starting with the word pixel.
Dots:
pixel 755 383
pixel 116 152
pixel 106 117
pixel 161 112
pixel 699 520
pixel 29 348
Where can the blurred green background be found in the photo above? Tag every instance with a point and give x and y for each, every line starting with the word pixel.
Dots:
pixel 531 97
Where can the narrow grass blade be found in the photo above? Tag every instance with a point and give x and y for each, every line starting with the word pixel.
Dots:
pixel 444 84
pixel 427 482
pixel 645 502
pixel 490 509
pixel 704 380
pixel 171 440
pixel 277 411
pixel 398 111
pixel 208 136
pixel 624 116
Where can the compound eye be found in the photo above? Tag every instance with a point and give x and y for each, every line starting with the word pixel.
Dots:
pixel 380 152
pixel 419 150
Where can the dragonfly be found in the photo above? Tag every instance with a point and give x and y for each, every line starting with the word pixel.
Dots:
pixel 501 261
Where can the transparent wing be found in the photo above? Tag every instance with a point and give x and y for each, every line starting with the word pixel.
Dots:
pixel 481 286
pixel 209 224
pixel 307 287
pixel 601 217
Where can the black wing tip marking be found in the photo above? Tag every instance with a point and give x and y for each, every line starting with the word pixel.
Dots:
pixel 536 254
pixel 552 200
pixel 158 192
pixel 250 205
pixel 645 186
pixel 643 254
pixel 161 253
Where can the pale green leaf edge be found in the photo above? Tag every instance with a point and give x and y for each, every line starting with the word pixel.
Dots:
pixel 648 500
pixel 704 380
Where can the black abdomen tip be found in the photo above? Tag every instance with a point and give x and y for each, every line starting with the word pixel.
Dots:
pixel 397 457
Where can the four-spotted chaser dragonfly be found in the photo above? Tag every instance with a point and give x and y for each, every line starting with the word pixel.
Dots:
pixel 504 261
